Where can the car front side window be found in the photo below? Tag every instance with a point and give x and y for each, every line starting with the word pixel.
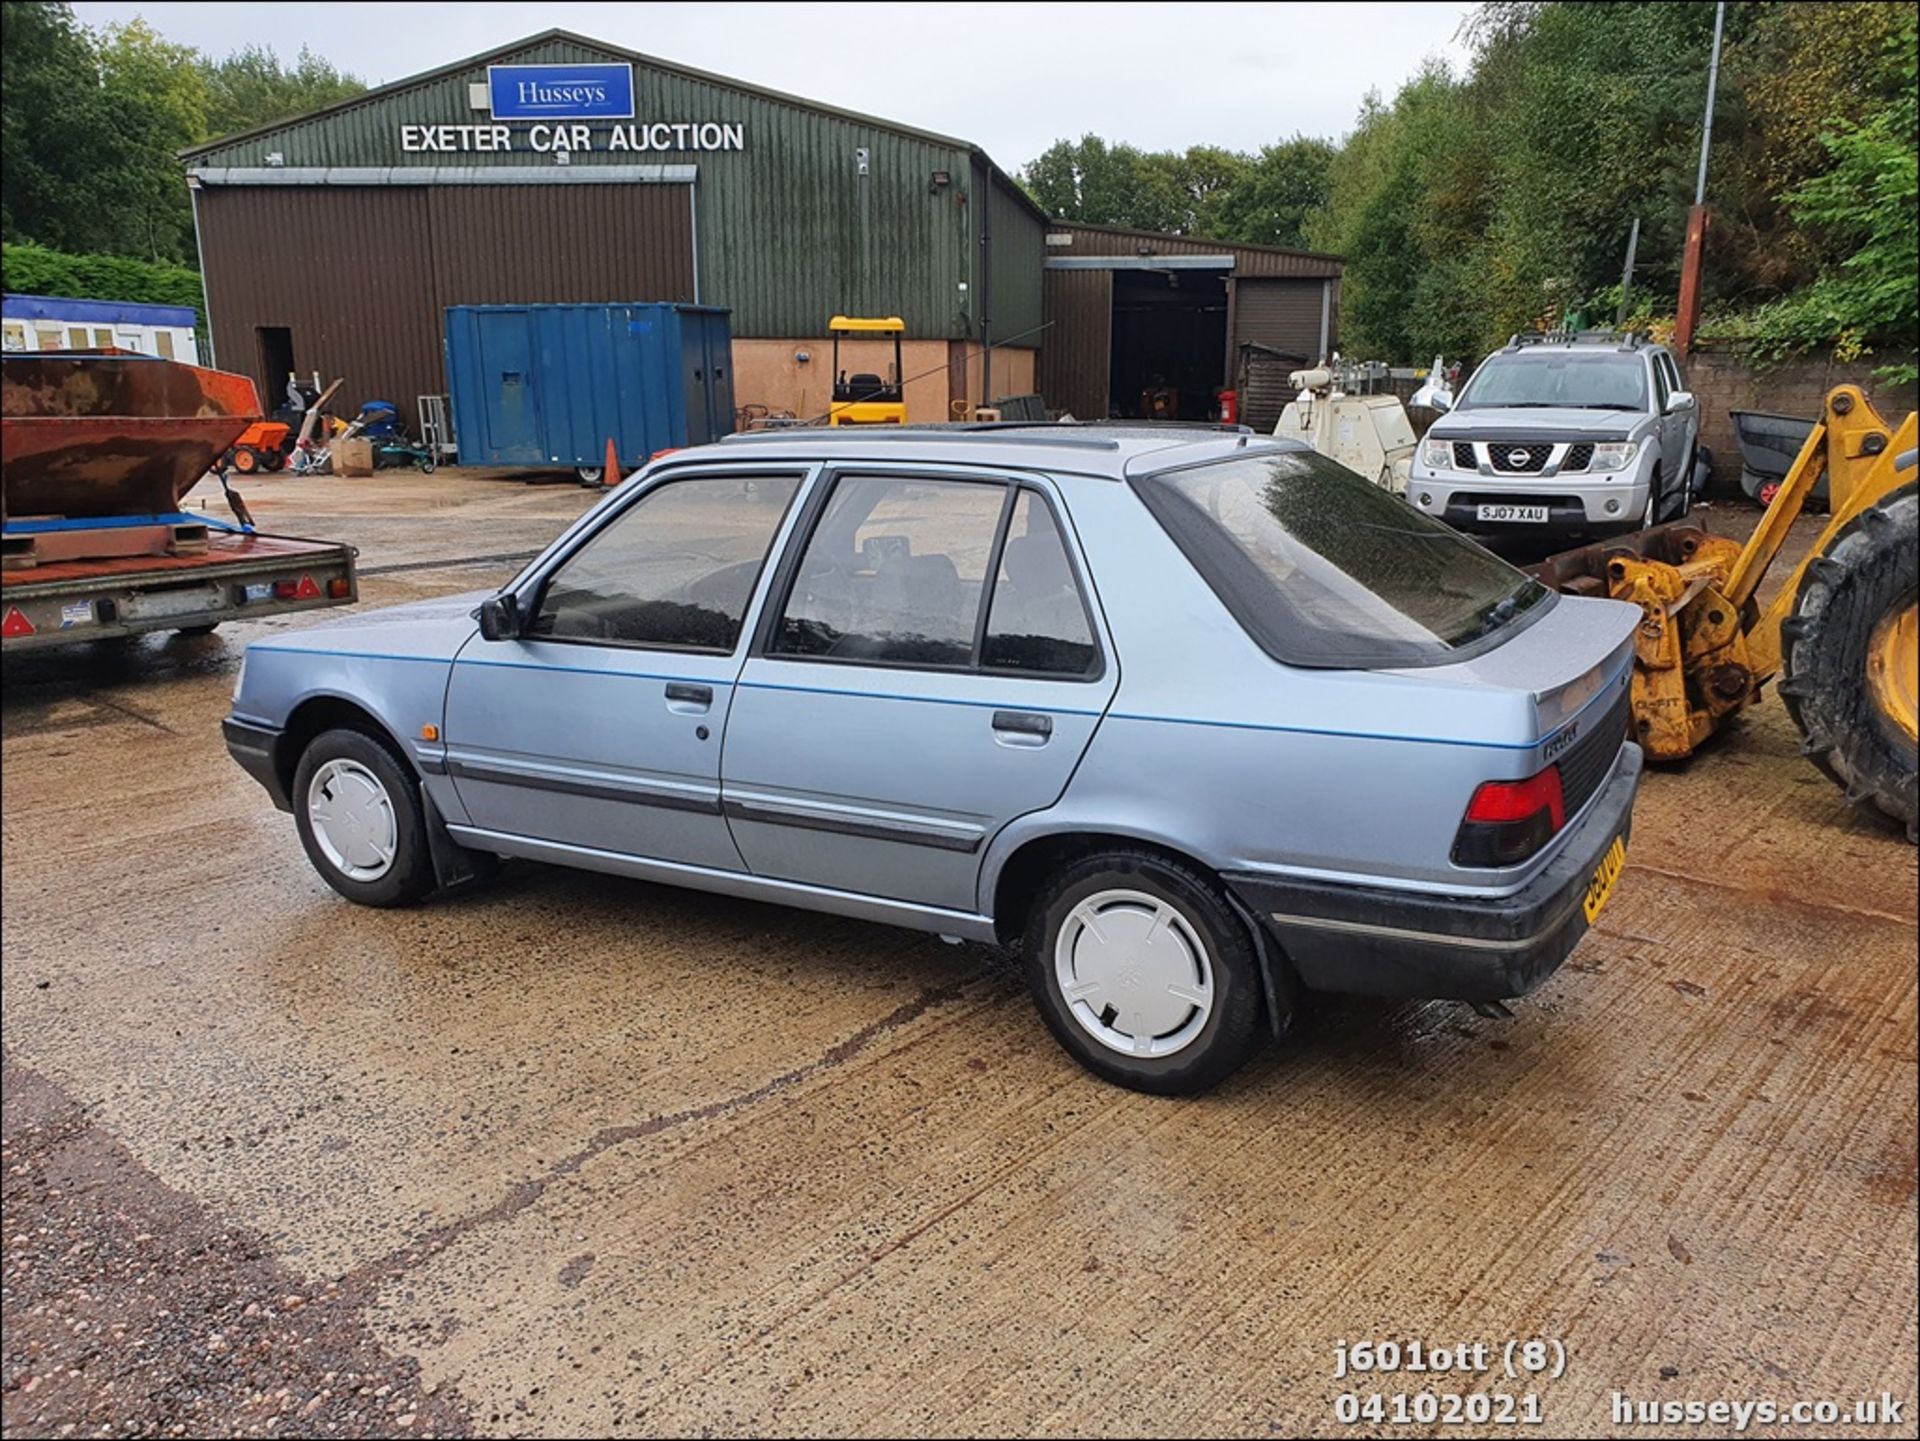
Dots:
pixel 676 570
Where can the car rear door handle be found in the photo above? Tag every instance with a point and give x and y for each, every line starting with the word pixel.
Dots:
pixel 1022 727
pixel 688 698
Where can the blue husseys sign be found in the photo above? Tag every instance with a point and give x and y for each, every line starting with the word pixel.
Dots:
pixel 560 92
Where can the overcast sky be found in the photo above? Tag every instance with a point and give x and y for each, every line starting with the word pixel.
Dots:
pixel 1012 78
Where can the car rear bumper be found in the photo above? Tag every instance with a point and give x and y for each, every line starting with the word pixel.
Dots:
pixel 1370 941
pixel 255 747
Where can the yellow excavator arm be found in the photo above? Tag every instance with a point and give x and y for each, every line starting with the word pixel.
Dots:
pixel 1842 635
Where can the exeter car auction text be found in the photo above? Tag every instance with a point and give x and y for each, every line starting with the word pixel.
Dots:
pixel 660 135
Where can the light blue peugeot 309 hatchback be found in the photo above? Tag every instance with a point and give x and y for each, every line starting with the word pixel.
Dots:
pixel 1197 719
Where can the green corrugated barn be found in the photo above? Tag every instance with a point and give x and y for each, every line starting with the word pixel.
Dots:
pixel 565 169
pixel 334 241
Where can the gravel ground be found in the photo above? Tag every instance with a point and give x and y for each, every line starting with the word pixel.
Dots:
pixel 132 1311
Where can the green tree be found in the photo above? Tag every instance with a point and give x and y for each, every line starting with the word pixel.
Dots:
pixel 91 125
pixel 251 87
pixel 1100 184
pixel 1864 210
pixel 56 153
pixel 1274 195
pixel 157 105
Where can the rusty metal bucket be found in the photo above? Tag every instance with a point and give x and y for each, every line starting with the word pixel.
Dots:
pixel 85 436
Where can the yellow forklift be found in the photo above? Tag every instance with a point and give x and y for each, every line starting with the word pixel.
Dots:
pixel 866 398
pixel 1842 635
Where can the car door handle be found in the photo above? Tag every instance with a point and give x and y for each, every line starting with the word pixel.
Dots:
pixel 1023 723
pixel 688 698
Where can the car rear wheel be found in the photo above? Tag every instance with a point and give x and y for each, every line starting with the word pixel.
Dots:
pixel 360 819
pixel 1143 972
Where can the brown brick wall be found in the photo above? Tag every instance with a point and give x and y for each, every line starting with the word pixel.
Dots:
pixel 1724 380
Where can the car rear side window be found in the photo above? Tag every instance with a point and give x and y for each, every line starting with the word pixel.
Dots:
pixel 1323 568
pixel 895 572
pixel 1038 622
pixel 675 570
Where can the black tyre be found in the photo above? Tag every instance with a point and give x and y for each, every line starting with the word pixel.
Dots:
pixel 207 629
pixel 589 475
pixel 274 460
pixel 1143 972
pixel 428 464
pixel 1846 614
pixel 357 806
pixel 246 460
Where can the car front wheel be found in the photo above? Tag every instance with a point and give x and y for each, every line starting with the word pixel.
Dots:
pixel 360 820
pixel 1143 972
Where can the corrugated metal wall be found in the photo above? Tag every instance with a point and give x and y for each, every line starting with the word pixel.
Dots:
pixel 789 230
pixel 515 244
pixel 355 287
pixel 1248 260
pixel 361 275
pixel 1076 354
pixel 1019 250
pixel 1281 314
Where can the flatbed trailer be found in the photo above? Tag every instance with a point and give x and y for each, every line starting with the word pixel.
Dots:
pixel 216 573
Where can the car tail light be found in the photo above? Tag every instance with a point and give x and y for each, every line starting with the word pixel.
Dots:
pixel 338 588
pixel 286 589
pixel 1508 821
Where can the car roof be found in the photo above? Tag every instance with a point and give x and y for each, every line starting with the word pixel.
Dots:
pixel 1107 450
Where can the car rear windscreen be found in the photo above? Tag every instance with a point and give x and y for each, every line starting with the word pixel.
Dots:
pixel 1323 568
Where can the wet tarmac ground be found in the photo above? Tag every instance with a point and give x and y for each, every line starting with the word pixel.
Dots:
pixel 579 1155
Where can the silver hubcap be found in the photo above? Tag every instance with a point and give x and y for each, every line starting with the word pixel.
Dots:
pixel 353 820
pixel 1135 974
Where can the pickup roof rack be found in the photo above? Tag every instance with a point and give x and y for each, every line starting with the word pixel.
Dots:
pixel 1619 339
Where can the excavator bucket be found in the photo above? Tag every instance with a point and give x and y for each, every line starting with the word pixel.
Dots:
pixel 1691 665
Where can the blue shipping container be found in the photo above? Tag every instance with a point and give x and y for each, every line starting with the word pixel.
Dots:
pixel 549 385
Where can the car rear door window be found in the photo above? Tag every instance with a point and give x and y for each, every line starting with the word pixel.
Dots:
pixel 895 572
pixel 676 570
pixel 1038 622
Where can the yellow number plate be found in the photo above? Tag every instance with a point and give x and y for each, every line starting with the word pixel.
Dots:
pixel 1605 876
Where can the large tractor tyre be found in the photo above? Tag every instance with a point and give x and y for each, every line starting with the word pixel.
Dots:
pixel 1848 658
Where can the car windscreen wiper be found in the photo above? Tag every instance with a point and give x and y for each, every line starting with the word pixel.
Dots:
pixel 1607 405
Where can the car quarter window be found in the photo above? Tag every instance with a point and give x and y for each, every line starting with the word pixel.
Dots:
pixel 895 572
pixel 675 570
pixel 1038 621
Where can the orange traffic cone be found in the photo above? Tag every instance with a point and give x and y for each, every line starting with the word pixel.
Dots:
pixel 611 475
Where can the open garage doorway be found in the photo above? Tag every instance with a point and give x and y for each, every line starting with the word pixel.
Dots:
pixel 1169 343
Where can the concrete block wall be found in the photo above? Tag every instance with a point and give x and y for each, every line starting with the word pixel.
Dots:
pixel 1723 379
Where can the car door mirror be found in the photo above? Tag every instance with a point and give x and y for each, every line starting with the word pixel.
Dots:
pixel 1441 401
pixel 1680 402
pixel 500 616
